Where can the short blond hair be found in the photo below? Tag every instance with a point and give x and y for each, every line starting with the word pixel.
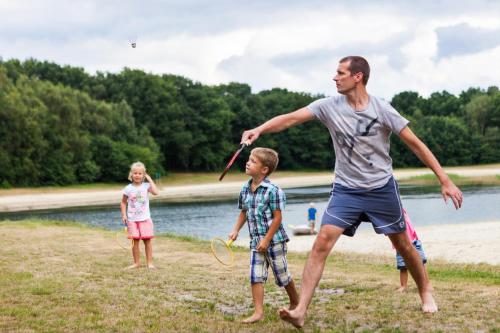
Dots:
pixel 136 165
pixel 268 157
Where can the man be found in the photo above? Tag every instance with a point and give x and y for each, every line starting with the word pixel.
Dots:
pixel 360 126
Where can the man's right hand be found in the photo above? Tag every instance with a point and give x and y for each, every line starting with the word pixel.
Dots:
pixel 124 220
pixel 248 137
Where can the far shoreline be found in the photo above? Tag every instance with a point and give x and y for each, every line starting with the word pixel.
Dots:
pixel 211 191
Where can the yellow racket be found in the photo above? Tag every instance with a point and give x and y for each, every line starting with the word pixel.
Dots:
pixel 222 251
pixel 122 239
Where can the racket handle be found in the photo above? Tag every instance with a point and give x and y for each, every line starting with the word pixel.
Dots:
pixel 242 146
pixel 229 242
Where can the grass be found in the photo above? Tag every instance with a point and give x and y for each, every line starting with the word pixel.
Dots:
pixel 192 178
pixel 172 179
pixel 431 179
pixel 64 277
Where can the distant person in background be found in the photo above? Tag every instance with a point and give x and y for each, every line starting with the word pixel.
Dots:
pixel 311 217
pixel 135 212
pixel 360 126
pixel 417 244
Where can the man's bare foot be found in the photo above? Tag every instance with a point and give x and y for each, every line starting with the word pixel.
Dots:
pixel 401 289
pixel 253 318
pixel 132 266
pixel 292 317
pixel 428 303
pixel 151 266
pixel 292 306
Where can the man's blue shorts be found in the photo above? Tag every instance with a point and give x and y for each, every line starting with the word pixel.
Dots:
pixel 348 207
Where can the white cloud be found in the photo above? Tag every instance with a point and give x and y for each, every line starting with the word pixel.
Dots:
pixel 290 44
pixel 463 39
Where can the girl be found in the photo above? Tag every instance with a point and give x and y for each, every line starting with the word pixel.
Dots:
pixel 417 244
pixel 135 212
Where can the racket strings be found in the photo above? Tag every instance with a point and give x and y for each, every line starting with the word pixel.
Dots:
pixel 122 239
pixel 222 252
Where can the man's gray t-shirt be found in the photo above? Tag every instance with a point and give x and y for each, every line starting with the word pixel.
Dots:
pixel 360 139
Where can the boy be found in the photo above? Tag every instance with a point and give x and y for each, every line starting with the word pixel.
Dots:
pixel 261 203
pixel 311 217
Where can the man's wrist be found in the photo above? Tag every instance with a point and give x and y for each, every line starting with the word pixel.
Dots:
pixel 259 130
pixel 444 179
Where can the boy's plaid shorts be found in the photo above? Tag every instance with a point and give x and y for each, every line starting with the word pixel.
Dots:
pixel 275 256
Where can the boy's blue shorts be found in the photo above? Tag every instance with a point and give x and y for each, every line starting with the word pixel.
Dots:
pixel 348 207
pixel 417 244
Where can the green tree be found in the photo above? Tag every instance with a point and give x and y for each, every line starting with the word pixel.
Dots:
pixel 305 146
pixel 22 145
pixel 449 139
pixel 48 133
pixel 479 112
pixel 442 104
pixel 409 103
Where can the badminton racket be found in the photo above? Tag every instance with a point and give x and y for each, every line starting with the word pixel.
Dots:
pixel 221 250
pixel 122 239
pixel 231 161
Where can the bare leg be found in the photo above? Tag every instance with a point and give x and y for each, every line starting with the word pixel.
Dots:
pixel 417 270
pixel 258 301
pixel 403 279
pixel 313 270
pixel 136 254
pixel 148 247
pixel 292 295
pixel 426 274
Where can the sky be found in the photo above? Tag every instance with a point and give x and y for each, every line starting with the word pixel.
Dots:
pixel 423 46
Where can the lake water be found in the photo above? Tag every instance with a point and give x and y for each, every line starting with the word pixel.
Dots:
pixel 206 220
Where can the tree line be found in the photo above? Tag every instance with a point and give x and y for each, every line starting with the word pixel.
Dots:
pixel 61 125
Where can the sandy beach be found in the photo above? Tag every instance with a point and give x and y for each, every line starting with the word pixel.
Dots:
pixel 461 243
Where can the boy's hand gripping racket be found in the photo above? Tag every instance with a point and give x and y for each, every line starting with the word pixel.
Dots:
pixel 122 239
pixel 222 251
pixel 231 161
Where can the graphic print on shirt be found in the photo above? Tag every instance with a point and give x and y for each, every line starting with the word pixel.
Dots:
pixel 364 128
pixel 137 201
